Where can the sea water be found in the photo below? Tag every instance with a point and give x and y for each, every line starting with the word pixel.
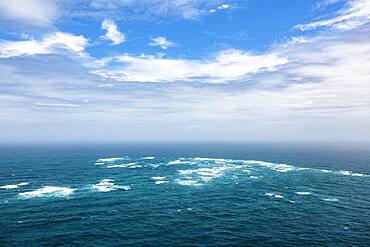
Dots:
pixel 184 195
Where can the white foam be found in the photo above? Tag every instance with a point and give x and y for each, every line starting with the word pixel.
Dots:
pixel 148 158
pixel 178 162
pixel 273 166
pixel 105 160
pixel 332 199
pixel 117 166
pixel 99 163
pixel 254 177
pixel 349 173
pixel 129 165
pixel 274 195
pixel 158 178
pixel 161 182
pixel 48 191
pixel 13 186
pixel 209 159
pixel 205 174
pixel 9 186
pixel 187 182
pixel 107 185
pixel 134 166
pixel 303 193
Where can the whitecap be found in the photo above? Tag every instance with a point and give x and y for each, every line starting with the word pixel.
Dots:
pixel 13 186
pixel 274 195
pixel 332 199
pixel 209 159
pixel 158 178
pixel 110 159
pixel 303 193
pixel 133 167
pixel 107 185
pixel 178 162
pixel 48 191
pixel 148 158
pixel 273 166
pixel 349 173
pixel 129 165
pixel 99 163
pixel 161 182
pixel 187 182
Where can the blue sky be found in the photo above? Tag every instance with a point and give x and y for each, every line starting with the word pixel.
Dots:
pixel 184 70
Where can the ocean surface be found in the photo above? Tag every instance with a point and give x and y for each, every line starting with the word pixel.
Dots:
pixel 185 195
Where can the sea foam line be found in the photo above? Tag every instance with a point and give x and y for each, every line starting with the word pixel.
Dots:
pixel 13 186
pixel 107 185
pixel 48 191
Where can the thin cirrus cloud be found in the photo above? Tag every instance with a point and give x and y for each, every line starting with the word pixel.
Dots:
pixel 227 65
pixel 153 9
pixel 30 12
pixel 355 14
pixel 49 44
pixel 161 42
pixel 112 32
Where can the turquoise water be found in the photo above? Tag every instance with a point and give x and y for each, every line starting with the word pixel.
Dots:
pixel 185 195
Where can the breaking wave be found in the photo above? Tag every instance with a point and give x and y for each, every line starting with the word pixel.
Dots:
pixel 107 185
pixel 13 186
pixel 46 191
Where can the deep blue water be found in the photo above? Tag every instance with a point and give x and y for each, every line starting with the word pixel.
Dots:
pixel 185 195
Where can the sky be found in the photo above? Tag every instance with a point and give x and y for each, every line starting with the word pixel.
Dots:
pixel 184 70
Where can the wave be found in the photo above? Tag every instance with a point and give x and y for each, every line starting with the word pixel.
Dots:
pixel 161 182
pixel 128 165
pixel 13 186
pixel 107 185
pixel 108 160
pixel 48 191
pixel 330 199
pixel 187 182
pixel 274 195
pixel 303 193
pixel 178 162
pixel 148 158
pixel 225 164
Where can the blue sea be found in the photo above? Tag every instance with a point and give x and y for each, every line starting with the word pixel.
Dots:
pixel 159 194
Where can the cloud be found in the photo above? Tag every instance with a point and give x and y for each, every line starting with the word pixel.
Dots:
pixel 49 44
pixel 220 7
pixel 112 32
pixel 228 65
pixel 321 92
pixel 161 42
pixel 355 14
pixel 223 6
pixel 153 9
pixel 29 12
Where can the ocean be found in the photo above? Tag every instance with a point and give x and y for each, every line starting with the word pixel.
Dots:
pixel 185 194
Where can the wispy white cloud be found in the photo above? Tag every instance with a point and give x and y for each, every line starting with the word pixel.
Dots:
pixel 355 14
pixel 152 9
pixel 55 105
pixel 30 12
pixel 228 65
pixel 49 44
pixel 223 6
pixel 112 32
pixel 220 7
pixel 162 42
